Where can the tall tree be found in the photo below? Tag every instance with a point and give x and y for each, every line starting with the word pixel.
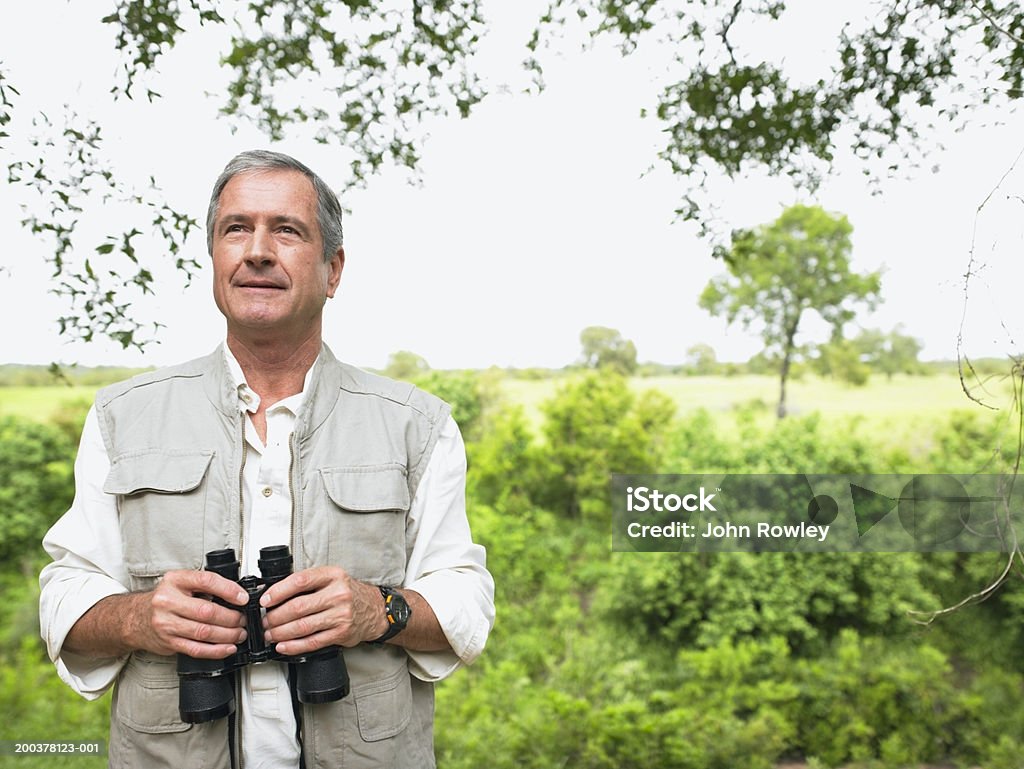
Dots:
pixel 780 271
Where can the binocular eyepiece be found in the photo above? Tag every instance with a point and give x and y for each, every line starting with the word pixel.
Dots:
pixel 206 688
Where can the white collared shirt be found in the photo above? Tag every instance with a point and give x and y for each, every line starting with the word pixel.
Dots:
pixel 445 567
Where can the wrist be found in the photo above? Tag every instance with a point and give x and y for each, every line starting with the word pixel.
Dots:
pixel 108 628
pixel 133 628
pixel 381 624
pixel 396 612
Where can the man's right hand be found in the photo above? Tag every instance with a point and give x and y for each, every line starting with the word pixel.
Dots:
pixel 179 621
pixel 174 617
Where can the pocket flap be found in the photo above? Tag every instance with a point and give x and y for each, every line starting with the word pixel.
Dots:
pixel 384 707
pixel 367 489
pixel 168 471
pixel 147 695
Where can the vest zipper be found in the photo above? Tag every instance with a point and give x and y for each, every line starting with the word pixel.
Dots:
pixel 291 494
pixel 241 494
pixel 238 718
pixel 300 725
pixel 241 558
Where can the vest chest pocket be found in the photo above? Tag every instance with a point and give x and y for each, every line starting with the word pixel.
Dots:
pixel 367 522
pixel 162 508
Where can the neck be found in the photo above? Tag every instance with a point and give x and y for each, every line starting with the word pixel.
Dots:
pixel 275 370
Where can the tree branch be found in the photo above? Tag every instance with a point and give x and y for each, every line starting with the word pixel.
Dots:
pixel 961 359
pixel 995 25
pixel 727 25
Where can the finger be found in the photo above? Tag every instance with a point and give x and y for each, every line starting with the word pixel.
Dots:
pixel 211 613
pixel 303 605
pixel 170 626
pixel 200 650
pixel 209 583
pixel 310 644
pixel 170 601
pixel 305 581
pixel 302 627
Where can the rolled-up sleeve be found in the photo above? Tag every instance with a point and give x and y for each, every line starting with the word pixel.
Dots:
pixel 445 566
pixel 87 566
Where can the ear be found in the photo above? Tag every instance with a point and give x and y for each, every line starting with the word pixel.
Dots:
pixel 335 265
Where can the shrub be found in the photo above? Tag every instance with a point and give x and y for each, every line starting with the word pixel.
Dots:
pixel 36 485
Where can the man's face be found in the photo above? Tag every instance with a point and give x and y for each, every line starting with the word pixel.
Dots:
pixel 269 275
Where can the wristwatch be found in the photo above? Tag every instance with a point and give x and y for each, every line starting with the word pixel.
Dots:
pixel 397 612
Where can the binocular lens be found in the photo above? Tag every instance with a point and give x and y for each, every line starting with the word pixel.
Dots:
pixel 206 699
pixel 275 562
pixel 223 562
pixel 322 678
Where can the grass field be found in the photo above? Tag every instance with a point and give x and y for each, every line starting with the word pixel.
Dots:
pixel 42 402
pixel 903 398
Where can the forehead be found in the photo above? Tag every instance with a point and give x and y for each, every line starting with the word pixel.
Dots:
pixel 274 192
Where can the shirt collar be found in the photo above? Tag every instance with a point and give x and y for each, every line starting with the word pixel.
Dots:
pixel 249 400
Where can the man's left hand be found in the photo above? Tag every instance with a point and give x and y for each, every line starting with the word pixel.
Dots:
pixel 321 607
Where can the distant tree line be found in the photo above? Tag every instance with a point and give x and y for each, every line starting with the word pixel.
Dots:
pixel 851 361
pixel 23 375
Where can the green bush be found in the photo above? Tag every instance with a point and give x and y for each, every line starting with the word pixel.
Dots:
pixel 470 394
pixel 595 426
pixel 975 441
pixel 36 486
pixel 704 599
pixel 872 698
pixel 504 465
pixel 36 705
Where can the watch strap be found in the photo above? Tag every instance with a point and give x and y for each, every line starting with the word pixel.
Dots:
pixel 396 623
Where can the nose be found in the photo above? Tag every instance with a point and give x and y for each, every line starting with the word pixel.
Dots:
pixel 261 251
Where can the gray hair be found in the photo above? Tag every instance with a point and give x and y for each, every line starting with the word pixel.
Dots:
pixel 328 209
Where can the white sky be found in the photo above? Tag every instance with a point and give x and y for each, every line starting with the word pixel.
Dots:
pixel 533 219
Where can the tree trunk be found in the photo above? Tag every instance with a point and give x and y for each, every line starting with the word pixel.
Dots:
pixel 780 411
pixel 787 355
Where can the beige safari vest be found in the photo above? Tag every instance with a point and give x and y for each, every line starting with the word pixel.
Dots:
pixel 358 452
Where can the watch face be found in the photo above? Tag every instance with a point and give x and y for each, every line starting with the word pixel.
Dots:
pixel 399 610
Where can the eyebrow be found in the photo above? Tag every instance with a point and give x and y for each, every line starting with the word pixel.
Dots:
pixel 298 224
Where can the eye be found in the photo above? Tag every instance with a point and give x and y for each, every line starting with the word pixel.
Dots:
pixel 233 228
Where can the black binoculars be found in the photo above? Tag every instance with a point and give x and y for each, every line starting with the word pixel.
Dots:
pixel 206 688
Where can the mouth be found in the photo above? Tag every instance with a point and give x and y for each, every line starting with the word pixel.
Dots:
pixel 262 285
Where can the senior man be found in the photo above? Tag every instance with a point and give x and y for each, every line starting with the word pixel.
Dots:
pixel 269 440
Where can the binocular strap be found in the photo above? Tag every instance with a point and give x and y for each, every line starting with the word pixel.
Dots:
pixel 297 711
pixel 232 727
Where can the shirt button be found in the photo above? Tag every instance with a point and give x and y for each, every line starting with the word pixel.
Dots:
pixel 267 491
pixel 247 398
